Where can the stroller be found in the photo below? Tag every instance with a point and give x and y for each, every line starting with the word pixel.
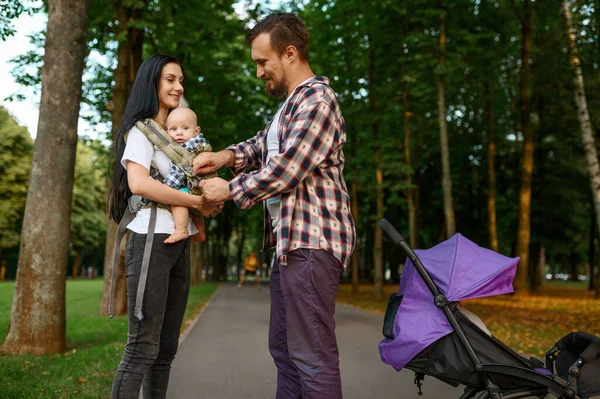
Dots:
pixel 428 332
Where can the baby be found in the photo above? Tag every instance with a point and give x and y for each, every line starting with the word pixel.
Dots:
pixel 182 126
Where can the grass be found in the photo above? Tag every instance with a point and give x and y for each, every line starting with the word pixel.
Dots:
pixel 528 324
pixel 95 346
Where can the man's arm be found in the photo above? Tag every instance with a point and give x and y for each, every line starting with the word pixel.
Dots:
pixel 238 157
pixel 313 134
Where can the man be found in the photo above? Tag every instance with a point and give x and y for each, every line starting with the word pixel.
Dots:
pixel 250 269
pixel 307 208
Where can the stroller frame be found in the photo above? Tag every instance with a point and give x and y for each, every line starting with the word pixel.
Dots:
pixel 554 384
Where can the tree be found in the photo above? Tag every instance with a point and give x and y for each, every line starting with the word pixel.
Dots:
pixel 130 34
pixel 37 322
pixel 446 175
pixel 88 224
pixel 587 132
pixel 16 149
pixel 524 231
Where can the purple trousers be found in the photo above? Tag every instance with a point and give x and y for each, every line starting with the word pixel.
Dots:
pixel 302 338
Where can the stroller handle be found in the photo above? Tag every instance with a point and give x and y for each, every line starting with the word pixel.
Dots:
pixel 391 232
pixel 398 240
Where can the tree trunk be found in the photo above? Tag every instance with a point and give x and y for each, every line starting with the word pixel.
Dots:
pixel 129 59
pixel 412 212
pixel 585 124
pixel 240 259
pixel 541 275
pixel 75 268
pixel 538 262
pixel 592 251
pixel 355 260
pixel 37 323
pixel 446 179
pixel 574 269
pixel 493 231
pixel 121 286
pixel 196 263
pixel 524 232
pixel 378 244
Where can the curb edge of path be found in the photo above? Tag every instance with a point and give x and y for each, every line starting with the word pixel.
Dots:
pixel 195 321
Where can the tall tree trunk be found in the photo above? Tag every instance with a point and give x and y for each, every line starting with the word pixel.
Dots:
pixel 585 124
pixel 412 212
pixel 378 244
pixel 592 251
pixel 446 179
pixel 196 263
pixel 355 259
pixel 240 260
pixel 37 323
pixel 129 59
pixel 538 262
pixel 75 268
pixel 524 232
pixel 493 231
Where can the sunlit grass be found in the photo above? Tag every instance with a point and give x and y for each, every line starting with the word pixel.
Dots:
pixel 95 346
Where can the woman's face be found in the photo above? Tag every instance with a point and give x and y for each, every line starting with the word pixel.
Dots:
pixel 170 88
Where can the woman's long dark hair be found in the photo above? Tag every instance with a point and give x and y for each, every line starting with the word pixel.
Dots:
pixel 142 104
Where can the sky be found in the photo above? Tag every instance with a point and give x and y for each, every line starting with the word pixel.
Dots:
pixel 27 112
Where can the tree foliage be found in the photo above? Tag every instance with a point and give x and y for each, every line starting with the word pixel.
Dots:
pixel 16 151
pixel 482 78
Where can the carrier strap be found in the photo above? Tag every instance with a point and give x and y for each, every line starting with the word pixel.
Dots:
pixel 181 157
pixel 139 299
pixel 135 203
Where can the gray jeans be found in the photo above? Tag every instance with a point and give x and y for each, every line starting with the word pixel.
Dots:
pixel 152 342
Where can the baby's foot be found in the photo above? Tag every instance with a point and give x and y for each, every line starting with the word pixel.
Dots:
pixel 177 235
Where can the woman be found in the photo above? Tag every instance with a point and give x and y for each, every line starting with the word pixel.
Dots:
pixel 152 341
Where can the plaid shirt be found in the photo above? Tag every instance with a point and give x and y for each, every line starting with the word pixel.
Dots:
pixel 307 173
pixel 176 177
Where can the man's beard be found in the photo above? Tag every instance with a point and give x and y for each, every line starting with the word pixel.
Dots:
pixel 277 91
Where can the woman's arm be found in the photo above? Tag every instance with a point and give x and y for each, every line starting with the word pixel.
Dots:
pixel 142 184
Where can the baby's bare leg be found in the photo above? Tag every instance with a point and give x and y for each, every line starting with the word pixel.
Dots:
pixel 198 221
pixel 180 216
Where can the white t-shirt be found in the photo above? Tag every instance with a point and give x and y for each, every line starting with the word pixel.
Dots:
pixel 141 151
pixel 274 203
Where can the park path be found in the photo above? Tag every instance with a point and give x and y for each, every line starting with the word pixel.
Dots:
pixel 225 355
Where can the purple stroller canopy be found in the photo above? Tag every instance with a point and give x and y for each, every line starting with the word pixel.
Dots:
pixel 461 270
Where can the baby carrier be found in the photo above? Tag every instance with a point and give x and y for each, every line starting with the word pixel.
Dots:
pixel 181 158
pixel 428 332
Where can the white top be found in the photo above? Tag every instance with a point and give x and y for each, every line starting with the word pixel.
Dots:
pixel 274 203
pixel 141 151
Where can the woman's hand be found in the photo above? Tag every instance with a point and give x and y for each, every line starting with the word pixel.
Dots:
pixel 207 208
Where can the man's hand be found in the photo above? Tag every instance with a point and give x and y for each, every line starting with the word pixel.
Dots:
pixel 207 162
pixel 207 208
pixel 215 190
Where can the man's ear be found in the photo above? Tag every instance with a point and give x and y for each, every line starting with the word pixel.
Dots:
pixel 291 53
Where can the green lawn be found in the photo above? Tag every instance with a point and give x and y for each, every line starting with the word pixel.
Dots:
pixel 95 346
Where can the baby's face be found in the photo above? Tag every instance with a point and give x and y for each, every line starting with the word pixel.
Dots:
pixel 182 125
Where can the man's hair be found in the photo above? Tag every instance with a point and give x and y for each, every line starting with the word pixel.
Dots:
pixel 285 29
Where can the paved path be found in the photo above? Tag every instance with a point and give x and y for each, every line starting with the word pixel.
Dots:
pixel 225 354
